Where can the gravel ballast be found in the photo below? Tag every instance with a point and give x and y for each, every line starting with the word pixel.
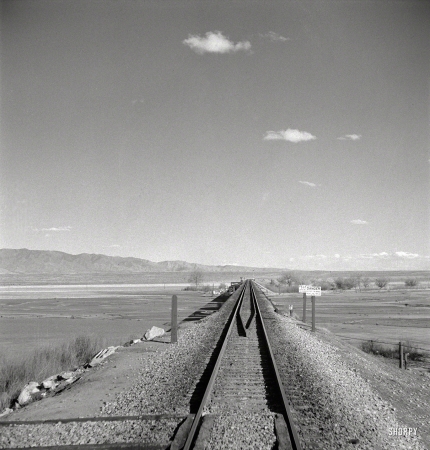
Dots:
pixel 333 406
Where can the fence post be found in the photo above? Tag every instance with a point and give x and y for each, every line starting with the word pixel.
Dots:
pixel 401 355
pixel 313 312
pixel 304 308
pixel 291 310
pixel 174 325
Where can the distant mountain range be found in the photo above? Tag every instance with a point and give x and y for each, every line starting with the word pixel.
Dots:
pixel 24 261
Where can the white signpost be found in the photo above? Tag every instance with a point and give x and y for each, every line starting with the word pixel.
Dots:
pixel 313 291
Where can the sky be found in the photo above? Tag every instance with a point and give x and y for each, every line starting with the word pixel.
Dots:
pixel 286 134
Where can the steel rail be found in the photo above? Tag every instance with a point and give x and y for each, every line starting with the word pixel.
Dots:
pixel 295 441
pixel 209 387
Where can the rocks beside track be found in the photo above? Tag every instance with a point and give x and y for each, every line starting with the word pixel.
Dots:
pixel 86 433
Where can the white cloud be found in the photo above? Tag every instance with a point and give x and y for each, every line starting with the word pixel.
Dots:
pixel 67 228
pixel 359 222
pixel 215 42
pixel 289 135
pixel 320 256
pixel 274 37
pixel 337 255
pixel 407 255
pixel 308 183
pixel 350 137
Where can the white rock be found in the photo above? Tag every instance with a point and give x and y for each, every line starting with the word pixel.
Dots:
pixel 67 375
pixel 135 341
pixel 25 397
pixel 101 355
pixel 49 384
pixel 6 412
pixel 153 333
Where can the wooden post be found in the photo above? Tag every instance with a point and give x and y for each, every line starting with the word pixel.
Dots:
pixel 174 324
pixel 401 355
pixel 313 312
pixel 304 307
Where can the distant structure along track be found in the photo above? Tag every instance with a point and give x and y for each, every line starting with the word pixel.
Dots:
pixel 244 404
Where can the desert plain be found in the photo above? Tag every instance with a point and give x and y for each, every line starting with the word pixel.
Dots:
pixel 387 316
pixel 36 316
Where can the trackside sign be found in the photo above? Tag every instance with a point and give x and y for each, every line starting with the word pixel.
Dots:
pixel 314 291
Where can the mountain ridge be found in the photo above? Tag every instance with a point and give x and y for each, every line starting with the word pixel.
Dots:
pixel 25 261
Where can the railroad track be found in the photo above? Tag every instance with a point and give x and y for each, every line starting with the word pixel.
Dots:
pixel 244 404
pixel 238 403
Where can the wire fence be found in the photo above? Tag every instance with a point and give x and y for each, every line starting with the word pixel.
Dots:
pixel 413 356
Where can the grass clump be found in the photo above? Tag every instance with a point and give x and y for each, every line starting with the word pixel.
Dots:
pixel 44 362
pixel 414 354
pixel 374 348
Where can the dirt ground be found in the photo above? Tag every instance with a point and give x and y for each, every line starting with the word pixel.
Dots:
pixel 97 385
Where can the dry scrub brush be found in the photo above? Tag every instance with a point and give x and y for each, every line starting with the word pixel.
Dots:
pixel 44 362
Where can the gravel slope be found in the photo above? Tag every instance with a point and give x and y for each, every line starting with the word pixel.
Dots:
pixel 333 405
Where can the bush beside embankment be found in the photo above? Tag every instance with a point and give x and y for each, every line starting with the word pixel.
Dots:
pixel 43 363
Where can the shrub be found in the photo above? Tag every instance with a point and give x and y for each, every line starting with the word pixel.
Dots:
pixel 287 278
pixel 345 283
pixel 411 282
pixel 43 363
pixel 366 282
pixel 414 353
pixel 381 282
pixel 339 283
pixel 378 349
pixel 327 286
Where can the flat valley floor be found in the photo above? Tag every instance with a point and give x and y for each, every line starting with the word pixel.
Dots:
pixel 379 315
pixel 37 316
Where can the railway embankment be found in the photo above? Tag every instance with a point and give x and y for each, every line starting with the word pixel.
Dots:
pixel 341 398
pixel 335 391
